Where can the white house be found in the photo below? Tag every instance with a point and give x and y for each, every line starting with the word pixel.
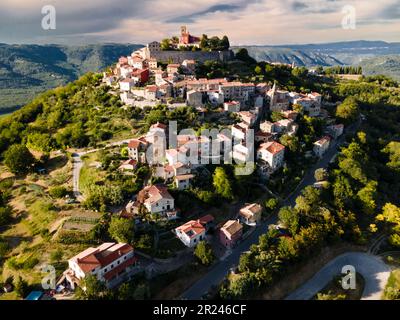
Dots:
pixel 336 130
pixel 272 153
pixel 111 263
pixel 251 214
pixel 215 97
pixel 232 106
pixel 191 233
pixel 156 199
pixel 267 126
pixel 194 98
pixel 182 181
pixel 240 130
pixel 241 153
pixel 321 146
pixel 126 84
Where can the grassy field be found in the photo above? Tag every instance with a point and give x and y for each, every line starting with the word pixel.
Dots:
pixel 36 218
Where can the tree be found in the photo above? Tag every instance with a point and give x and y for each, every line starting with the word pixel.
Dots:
pixel 348 111
pixel 19 159
pixel 204 253
pixel 56 256
pixel 166 44
pixel 21 287
pixel 367 197
pixel 243 55
pixel 225 45
pixel 58 192
pixel 309 200
pixel 121 230
pixel 342 191
pixel 258 70
pixel 91 289
pixel 290 219
pixel 393 149
pixel 5 215
pixel 222 184
pixel 246 263
pixel 391 214
pixel 320 174
pixel 271 204
pixel 291 142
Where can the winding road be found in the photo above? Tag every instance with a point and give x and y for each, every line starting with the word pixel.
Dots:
pixel 77 165
pixel 221 269
pixel 372 268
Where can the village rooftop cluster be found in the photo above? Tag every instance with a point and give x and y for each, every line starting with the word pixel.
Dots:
pixel 143 80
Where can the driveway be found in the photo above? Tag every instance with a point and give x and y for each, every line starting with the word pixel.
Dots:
pixel 372 268
pixel 78 164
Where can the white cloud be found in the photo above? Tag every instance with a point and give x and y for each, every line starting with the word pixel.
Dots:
pixel 244 21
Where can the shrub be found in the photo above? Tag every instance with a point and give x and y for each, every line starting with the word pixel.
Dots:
pixel 58 192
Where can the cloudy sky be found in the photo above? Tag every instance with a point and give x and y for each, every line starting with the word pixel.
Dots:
pixel 244 21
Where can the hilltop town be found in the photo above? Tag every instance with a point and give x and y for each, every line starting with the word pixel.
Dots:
pixel 182 157
pixel 166 75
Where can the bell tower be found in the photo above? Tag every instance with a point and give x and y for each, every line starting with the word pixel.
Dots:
pixel 183 30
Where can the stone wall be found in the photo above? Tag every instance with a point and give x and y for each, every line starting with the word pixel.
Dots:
pixel 201 56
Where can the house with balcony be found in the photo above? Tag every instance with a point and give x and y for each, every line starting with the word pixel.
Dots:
pixel 111 263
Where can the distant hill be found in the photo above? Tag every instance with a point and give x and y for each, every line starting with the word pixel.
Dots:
pixel 26 70
pixel 376 57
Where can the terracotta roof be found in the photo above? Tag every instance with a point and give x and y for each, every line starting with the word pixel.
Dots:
pixel 159 125
pixel 154 193
pixel 232 227
pixel 152 88
pixel 206 219
pixel 101 256
pixel 272 147
pixel 184 177
pixel 134 143
pixel 192 228
pixel 323 140
pixel 250 210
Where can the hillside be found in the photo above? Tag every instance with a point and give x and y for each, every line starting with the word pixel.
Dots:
pixel 26 70
pixel 376 57
pixel 387 65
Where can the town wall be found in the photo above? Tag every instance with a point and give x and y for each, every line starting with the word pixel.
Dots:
pixel 201 56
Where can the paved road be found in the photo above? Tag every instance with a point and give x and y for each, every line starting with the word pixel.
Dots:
pixel 372 268
pixel 222 268
pixel 77 165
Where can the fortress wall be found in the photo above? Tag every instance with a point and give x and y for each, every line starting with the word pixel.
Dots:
pixel 179 56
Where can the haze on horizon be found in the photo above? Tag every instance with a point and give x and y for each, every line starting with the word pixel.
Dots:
pixel 246 22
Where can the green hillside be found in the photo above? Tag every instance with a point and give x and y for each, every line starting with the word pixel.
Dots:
pixel 26 70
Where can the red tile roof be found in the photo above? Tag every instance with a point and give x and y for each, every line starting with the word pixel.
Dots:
pixel 273 147
pixel 120 268
pixel 101 256
pixel 206 219
pixel 192 228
